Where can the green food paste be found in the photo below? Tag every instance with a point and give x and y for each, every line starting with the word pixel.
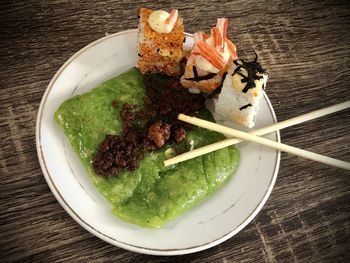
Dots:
pixel 153 194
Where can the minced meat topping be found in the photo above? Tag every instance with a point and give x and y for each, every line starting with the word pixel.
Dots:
pixel 163 101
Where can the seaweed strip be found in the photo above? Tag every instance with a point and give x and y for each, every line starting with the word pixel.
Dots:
pixel 219 88
pixel 245 106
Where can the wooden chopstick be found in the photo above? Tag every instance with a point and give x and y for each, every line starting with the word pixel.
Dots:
pixel 280 125
pixel 253 138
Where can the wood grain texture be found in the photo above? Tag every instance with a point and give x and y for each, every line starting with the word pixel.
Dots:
pixel 305 47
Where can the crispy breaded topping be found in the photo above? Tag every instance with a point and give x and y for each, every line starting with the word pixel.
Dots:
pixel 159 52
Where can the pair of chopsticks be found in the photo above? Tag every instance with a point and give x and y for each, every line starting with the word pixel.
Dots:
pixel 254 137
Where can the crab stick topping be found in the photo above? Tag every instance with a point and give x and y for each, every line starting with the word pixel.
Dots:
pixel 198 36
pixel 209 59
pixel 232 48
pixel 222 25
pixel 217 39
pixel 212 53
pixel 171 20
pixel 163 22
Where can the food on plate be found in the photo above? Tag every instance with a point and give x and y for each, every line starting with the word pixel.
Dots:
pixel 160 42
pixel 147 127
pixel 124 129
pixel 241 92
pixel 144 193
pixel 209 59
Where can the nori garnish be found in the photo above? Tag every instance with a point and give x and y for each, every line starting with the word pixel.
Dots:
pixel 252 68
pixel 218 88
pixel 195 73
pixel 198 78
pixel 245 106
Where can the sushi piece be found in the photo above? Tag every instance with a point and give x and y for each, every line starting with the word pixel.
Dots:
pixel 209 59
pixel 241 93
pixel 160 42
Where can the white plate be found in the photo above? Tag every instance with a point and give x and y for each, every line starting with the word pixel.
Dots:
pixel 213 221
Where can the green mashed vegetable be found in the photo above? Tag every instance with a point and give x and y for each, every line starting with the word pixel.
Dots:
pixel 152 195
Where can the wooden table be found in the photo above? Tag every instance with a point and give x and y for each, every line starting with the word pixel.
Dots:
pixel 305 46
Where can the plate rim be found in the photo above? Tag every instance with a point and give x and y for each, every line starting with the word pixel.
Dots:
pixel 109 239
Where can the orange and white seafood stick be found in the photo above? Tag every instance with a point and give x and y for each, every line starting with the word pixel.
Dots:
pixel 210 57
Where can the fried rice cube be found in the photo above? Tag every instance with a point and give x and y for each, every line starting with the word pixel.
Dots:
pixel 159 52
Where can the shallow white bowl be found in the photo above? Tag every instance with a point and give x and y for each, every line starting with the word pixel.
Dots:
pixel 214 220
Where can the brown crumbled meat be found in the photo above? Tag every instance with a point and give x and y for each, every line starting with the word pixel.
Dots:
pixel 147 100
pixel 166 106
pixel 158 133
pixel 172 99
pixel 131 137
pixel 148 145
pixel 114 104
pixel 116 154
pixel 152 114
pixel 175 84
pixel 146 115
pixel 179 133
pixel 162 104
pixel 127 116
